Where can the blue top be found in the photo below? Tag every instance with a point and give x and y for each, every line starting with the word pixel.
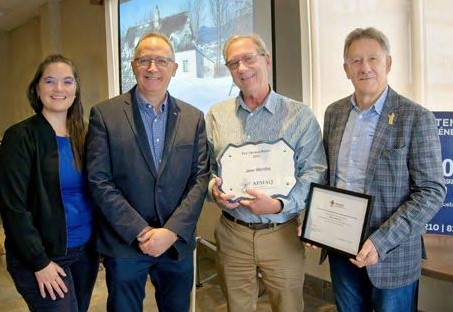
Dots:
pixel 77 205
pixel 356 145
pixel 155 123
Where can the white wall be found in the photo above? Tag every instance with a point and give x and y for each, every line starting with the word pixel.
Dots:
pixel 72 27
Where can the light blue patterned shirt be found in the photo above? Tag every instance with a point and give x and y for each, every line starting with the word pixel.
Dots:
pixel 232 122
pixel 356 145
pixel 155 123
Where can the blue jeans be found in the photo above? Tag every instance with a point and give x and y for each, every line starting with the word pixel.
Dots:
pixel 81 267
pixel 353 290
pixel 126 279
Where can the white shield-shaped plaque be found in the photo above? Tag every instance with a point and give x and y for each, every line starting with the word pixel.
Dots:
pixel 268 167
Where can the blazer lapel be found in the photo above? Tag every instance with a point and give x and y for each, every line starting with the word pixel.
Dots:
pixel 384 127
pixel 136 123
pixel 171 129
pixel 337 129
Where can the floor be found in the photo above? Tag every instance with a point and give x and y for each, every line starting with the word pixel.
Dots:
pixel 209 298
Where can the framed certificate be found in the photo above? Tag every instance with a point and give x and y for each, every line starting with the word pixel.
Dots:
pixel 268 167
pixel 336 219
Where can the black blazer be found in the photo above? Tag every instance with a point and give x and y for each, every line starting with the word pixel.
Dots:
pixel 125 185
pixel 30 198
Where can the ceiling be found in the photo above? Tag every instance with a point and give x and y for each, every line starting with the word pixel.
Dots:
pixel 14 13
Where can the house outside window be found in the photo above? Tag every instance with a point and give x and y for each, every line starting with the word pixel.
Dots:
pixel 185 66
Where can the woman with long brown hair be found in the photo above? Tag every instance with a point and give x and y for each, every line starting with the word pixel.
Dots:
pixel 46 210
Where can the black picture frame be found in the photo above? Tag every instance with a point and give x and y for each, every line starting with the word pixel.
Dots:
pixel 330 211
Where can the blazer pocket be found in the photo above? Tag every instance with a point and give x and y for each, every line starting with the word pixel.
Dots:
pixel 395 152
pixel 184 148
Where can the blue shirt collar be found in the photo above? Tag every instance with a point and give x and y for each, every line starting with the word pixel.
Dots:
pixel 377 106
pixel 144 105
pixel 270 103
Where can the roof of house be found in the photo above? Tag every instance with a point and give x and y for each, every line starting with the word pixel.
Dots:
pixel 176 27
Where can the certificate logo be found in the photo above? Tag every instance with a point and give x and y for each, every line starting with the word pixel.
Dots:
pixel 335 204
pixel 245 184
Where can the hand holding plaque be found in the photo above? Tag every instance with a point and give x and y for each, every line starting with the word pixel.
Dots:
pixel 268 167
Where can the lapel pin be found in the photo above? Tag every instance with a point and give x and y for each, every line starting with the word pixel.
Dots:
pixel 391 118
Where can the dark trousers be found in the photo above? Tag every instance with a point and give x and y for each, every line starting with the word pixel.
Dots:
pixel 126 279
pixel 81 267
pixel 354 291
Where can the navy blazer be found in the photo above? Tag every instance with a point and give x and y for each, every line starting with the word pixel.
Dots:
pixel 125 185
pixel 404 174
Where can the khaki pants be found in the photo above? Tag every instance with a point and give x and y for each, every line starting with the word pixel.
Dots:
pixel 277 253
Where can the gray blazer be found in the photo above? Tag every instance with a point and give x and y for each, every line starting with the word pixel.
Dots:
pixel 125 185
pixel 404 174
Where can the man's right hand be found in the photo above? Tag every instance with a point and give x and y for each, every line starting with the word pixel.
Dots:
pixel 222 199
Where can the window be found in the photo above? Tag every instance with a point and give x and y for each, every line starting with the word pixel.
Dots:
pixel 420 35
pixel 185 66
pixel 197 30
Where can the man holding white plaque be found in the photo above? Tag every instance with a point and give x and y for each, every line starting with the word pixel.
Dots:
pixel 252 139
pixel 385 145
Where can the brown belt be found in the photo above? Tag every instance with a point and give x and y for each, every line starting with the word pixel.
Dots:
pixel 253 226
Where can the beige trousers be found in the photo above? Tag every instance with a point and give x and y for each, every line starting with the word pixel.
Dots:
pixel 276 253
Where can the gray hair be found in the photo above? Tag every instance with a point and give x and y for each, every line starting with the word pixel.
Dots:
pixel 367 33
pixel 155 35
pixel 257 40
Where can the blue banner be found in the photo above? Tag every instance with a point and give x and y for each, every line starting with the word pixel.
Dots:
pixel 442 223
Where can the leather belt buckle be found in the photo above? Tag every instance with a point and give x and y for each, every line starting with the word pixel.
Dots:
pixel 259 226
pixel 252 226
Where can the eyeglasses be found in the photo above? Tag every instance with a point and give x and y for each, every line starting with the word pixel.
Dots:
pixel 248 59
pixel 51 81
pixel 160 61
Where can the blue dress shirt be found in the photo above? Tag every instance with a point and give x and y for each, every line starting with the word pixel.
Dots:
pixel 154 123
pixel 356 145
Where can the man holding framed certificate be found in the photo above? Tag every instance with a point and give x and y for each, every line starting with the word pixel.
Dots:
pixel 265 151
pixel 384 145
pixel 336 219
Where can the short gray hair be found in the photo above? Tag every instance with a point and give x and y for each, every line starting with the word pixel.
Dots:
pixel 367 33
pixel 155 35
pixel 257 40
